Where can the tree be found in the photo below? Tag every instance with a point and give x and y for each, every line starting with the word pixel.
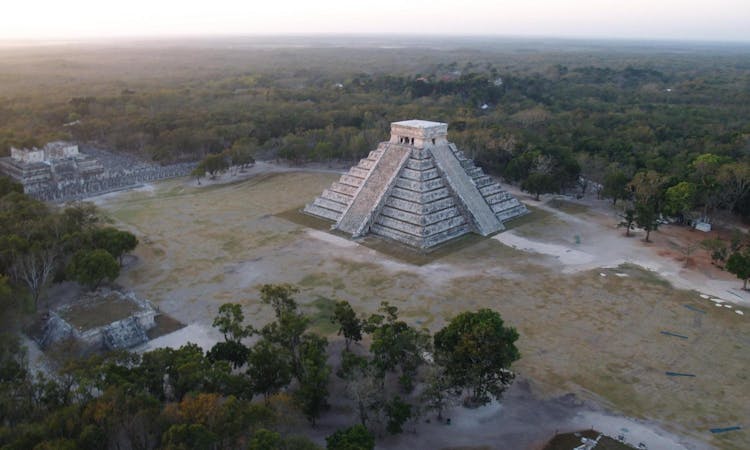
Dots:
pixel 615 186
pixel 647 196
pixel 362 385
pixel 212 164
pixel 628 218
pixel 31 241
pixel 230 320
pixel 396 345
pixel 116 242
pixel 187 437
pixel 437 393
pixel 734 182
pixel 397 412
pixel 356 437
pixel 241 153
pixel 349 324
pixel 269 369
pixel 4 290
pixel 92 267
pixel 265 440
pixel 738 264
pixel 312 393
pixel 539 183
pixel 705 172
pixel 476 349
pixel 647 217
pixel 679 200
pixel 8 185
pixel 231 351
pixel 717 249
pixel 290 325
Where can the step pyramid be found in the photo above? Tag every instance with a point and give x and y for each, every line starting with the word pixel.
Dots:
pixel 417 189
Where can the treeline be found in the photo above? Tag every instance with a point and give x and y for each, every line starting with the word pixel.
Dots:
pixel 41 244
pixel 537 122
pixel 235 395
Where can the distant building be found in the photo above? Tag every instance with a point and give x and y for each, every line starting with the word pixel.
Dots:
pixel 59 172
pixel 53 151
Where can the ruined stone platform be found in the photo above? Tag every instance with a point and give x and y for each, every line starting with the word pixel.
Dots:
pixel 58 172
pixel 101 320
pixel 417 189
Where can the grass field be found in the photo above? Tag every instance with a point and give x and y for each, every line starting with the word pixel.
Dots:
pixel 599 337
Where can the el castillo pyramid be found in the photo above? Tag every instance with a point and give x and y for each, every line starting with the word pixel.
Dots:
pixel 417 189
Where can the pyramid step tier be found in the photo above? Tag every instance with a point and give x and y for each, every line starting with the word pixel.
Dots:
pixel 417 241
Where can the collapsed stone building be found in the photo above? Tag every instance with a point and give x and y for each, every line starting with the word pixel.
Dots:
pixel 60 172
pixel 417 189
pixel 101 320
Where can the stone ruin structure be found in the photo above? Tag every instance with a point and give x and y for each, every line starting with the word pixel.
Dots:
pixel 58 172
pixel 417 189
pixel 101 320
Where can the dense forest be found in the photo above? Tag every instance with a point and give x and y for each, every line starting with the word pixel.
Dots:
pixel 533 112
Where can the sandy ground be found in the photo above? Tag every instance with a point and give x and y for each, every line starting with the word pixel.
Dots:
pixel 590 328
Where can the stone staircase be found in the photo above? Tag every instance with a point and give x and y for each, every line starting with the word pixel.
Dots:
pixel 421 194
pixel 421 210
pixel 503 204
pixel 376 183
pixel 332 203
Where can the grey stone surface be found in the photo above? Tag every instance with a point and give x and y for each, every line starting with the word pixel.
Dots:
pixel 417 189
pixel 76 175
pixel 124 333
pixel 368 201
pixel 466 191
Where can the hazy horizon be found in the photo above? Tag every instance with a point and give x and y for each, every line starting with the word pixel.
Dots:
pixel 85 20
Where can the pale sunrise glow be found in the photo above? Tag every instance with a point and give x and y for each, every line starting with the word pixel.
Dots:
pixel 638 19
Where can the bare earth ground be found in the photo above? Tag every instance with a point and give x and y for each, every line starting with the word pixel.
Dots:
pixel 588 325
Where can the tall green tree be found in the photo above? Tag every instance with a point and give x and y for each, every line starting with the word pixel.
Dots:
pixel 477 349
pixel 349 324
pixel 230 322
pixel 356 437
pixel 269 369
pixel 615 186
pixel 679 200
pixel 92 267
pixel 116 242
pixel 738 264
pixel 312 393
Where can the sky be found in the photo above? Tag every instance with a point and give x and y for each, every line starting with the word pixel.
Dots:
pixel 715 20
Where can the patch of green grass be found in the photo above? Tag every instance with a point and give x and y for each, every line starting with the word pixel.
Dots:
pixel 312 280
pixel 320 318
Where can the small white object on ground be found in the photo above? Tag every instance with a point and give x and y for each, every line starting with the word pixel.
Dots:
pixel 739 312
pixel 727 306
pixel 704 296
pixel 717 300
pixel 603 274
pixel 622 275
pixel 703 226
pixel 717 304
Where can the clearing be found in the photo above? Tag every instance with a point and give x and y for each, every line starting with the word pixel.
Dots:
pixel 589 312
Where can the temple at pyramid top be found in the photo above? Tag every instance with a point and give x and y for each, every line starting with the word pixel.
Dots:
pixel 417 189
